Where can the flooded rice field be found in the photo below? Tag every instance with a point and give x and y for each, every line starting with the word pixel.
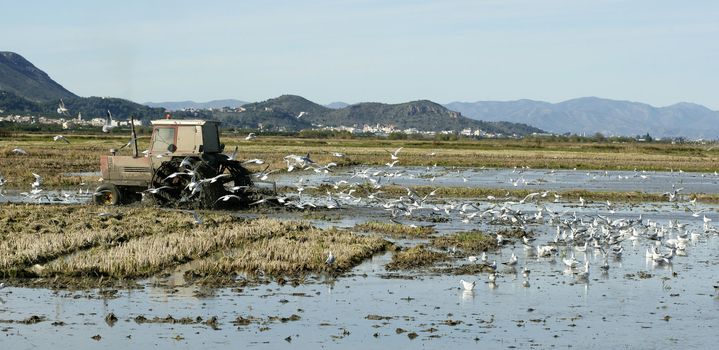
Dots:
pixel 651 280
pixel 540 179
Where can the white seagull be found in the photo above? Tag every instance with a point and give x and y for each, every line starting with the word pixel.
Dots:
pixel 38 180
pixel 467 285
pixel 60 138
pixel 393 155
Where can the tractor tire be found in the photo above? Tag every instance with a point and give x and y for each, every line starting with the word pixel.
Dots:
pixel 107 194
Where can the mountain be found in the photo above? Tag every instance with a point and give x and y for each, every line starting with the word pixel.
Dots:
pixel 589 115
pixel 25 89
pixel 22 78
pixel 178 106
pixel 337 105
pixel 298 112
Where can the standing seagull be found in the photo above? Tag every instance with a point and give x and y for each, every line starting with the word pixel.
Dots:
pixel 330 259
pixel 468 285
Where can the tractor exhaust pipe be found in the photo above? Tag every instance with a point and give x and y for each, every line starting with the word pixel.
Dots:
pixel 134 137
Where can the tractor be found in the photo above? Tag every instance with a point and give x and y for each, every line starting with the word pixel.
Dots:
pixel 183 167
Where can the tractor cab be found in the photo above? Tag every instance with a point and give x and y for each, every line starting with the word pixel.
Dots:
pixel 184 137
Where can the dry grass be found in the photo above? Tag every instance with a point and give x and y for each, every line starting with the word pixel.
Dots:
pixel 471 241
pixel 32 234
pixel 415 257
pixel 395 229
pixel 72 241
pixel 293 253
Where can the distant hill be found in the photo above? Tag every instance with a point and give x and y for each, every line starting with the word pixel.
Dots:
pixel 177 106
pixel 589 115
pixel 422 115
pixel 90 107
pixel 337 105
pixel 22 78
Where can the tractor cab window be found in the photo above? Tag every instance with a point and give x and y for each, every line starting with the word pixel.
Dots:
pixel 162 138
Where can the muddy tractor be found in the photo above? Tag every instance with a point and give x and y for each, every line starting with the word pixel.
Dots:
pixel 183 167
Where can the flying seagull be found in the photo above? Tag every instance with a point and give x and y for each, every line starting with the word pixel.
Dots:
pixel 60 138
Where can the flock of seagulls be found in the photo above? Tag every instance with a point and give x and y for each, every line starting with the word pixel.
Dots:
pixel 588 234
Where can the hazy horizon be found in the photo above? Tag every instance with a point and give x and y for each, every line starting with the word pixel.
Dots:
pixel 654 52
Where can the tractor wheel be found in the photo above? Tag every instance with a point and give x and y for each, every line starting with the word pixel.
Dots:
pixel 107 194
pixel 209 192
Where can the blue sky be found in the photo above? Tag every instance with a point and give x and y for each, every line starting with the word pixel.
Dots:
pixel 658 52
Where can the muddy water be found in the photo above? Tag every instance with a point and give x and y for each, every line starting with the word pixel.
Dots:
pixel 633 305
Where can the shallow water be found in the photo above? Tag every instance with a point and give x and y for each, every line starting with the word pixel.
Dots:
pixel 673 306
pixel 539 179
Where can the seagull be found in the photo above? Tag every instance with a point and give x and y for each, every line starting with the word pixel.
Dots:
pixel 525 272
pixel 512 260
pixel 186 162
pixel 251 136
pixel 467 285
pixel 262 175
pixel 61 109
pixel 227 197
pixel 217 177
pixel 330 259
pixel 393 155
pixel 19 151
pixel 254 161
pixel 338 154
pixel 108 123
pixel 38 180
pixel 234 154
pixel 492 277
pixel 196 218
pixel 472 258
pixel 156 190
pixel 176 174
pixel 583 275
pixel 571 262
pixel 60 138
